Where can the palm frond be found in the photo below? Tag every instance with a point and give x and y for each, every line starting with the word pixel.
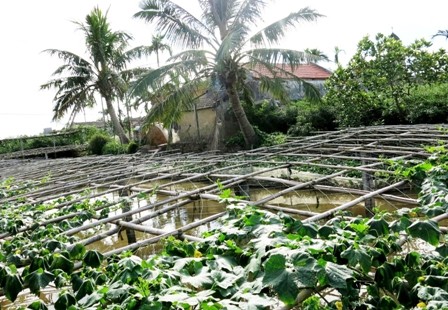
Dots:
pixel 69 58
pixel 441 33
pixel 156 78
pixel 200 56
pixel 273 33
pixel 74 98
pixel 275 87
pixel 139 52
pixel 249 14
pixel 230 45
pixel 276 56
pixel 177 24
pixel 219 14
pixel 130 75
pixel 263 60
pixel 177 101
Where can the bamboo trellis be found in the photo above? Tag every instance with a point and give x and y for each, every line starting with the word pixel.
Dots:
pixel 324 163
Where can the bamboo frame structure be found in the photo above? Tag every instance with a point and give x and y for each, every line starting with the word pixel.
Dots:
pixel 326 163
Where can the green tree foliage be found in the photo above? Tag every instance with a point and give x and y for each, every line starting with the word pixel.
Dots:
pixel 77 136
pixel 78 80
pixel 428 104
pixel 97 143
pixel 313 117
pixel 270 117
pixel 221 48
pixel 379 80
pixel 114 148
pixel 157 46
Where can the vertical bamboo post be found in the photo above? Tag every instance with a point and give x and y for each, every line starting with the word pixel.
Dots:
pixel 242 190
pixel 368 185
pixel 130 233
pixel 21 148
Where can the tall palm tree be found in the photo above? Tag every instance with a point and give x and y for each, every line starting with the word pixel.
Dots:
pixel 337 51
pixel 314 53
pixel 158 46
pixel 79 80
pixel 221 48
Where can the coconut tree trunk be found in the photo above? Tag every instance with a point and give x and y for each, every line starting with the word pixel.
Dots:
pixel 118 129
pixel 197 121
pixel 248 131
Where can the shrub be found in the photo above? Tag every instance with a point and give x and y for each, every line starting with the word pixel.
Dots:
pixel 271 117
pixel 132 147
pixel 274 138
pixel 97 143
pixel 86 132
pixel 428 104
pixel 114 148
pixel 235 141
pixel 313 117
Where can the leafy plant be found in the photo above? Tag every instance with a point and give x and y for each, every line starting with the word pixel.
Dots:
pixel 382 78
pixel 97 143
pixel 114 148
pixel 132 147
pixel 254 259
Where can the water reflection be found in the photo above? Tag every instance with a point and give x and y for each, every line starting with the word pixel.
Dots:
pixel 307 200
pixel 168 221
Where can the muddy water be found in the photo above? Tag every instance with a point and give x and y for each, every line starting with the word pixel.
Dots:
pixel 169 221
pixel 308 200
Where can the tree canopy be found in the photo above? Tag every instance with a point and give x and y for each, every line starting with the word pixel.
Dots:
pixel 79 80
pixel 380 79
pixel 220 48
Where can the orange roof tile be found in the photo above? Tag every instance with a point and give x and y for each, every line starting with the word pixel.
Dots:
pixel 303 71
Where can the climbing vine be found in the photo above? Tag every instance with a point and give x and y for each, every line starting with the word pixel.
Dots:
pixel 255 260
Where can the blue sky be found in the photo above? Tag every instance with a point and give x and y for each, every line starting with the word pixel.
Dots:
pixel 29 27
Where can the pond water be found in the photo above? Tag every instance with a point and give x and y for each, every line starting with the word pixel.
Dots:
pixel 306 200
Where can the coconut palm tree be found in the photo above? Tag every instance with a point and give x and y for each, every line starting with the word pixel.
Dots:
pixel 337 51
pixel 316 53
pixel 158 46
pixel 220 47
pixel 79 80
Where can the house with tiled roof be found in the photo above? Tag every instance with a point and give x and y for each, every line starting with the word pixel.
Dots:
pixel 309 72
pixel 212 112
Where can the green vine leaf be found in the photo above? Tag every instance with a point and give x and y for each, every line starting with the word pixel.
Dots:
pixel 378 227
pixel 64 301
pixel 442 250
pixel 283 280
pixel 62 262
pixel 38 279
pixel 425 230
pixel 307 270
pixel 358 256
pixel 93 259
pixel 87 288
pixel 337 275
pixel 37 305
pixel 13 283
pixel 77 251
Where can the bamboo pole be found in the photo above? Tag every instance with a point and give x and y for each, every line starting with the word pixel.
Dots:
pixel 180 196
pixel 353 202
pixel 152 240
